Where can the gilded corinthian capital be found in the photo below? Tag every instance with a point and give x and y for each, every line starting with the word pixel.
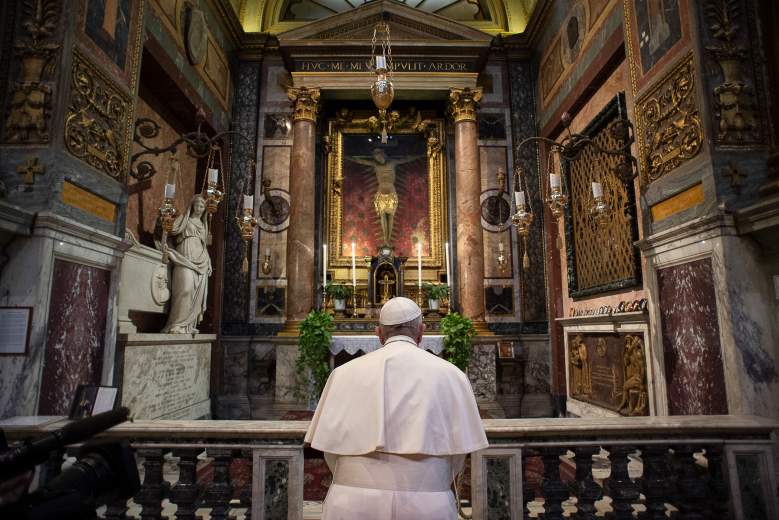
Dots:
pixel 305 103
pixel 463 103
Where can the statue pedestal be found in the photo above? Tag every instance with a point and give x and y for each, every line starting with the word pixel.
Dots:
pixel 166 376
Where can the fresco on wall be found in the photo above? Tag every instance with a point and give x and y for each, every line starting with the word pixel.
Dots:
pixel 659 28
pixel 107 23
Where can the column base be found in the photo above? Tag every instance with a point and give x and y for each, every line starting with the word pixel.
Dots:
pixel 291 329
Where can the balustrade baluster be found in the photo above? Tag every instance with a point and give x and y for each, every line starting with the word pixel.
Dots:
pixel 692 486
pixel 116 509
pixel 718 488
pixel 528 493
pixel 153 488
pixel 656 482
pixel 219 493
pixel 555 491
pixel 587 491
pixel 185 492
pixel 620 487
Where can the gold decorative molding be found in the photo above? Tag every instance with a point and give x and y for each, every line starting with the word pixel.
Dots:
pixel 686 199
pixel 668 122
pixel 98 119
pixel 305 103
pixel 30 97
pixel 463 103
pixel 87 201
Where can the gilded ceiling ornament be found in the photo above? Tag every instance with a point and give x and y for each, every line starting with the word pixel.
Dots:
pixel 463 103
pixel 668 123
pixel 96 123
pixel 733 98
pixel 305 103
pixel 30 98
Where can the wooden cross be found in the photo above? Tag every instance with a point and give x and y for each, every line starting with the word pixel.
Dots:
pixel 30 169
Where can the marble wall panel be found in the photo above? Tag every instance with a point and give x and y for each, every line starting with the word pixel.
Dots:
pixel 76 333
pixel 482 371
pixel 235 307
pixel 523 124
pixel 691 339
pixel 262 370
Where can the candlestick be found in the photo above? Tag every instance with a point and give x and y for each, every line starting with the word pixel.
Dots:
pixel 597 190
pixel 519 198
pixel 419 264
pixel 213 175
pixel 448 268
pixel 248 202
pixel 324 266
pixel 554 180
pixel 354 267
pixel 170 191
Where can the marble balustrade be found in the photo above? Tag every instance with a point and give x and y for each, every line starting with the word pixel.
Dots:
pixel 686 466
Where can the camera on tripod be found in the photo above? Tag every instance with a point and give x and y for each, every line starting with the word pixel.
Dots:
pixel 103 471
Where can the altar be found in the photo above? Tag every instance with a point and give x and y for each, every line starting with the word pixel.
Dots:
pixel 367 344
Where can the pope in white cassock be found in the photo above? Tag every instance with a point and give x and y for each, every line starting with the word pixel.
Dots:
pixel 395 426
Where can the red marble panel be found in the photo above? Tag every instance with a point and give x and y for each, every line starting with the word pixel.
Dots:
pixel 75 334
pixel 691 345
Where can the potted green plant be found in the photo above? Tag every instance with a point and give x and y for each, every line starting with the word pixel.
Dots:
pixel 313 363
pixel 434 292
pixel 339 293
pixel 457 331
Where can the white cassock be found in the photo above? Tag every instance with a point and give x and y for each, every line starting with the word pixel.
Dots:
pixel 395 426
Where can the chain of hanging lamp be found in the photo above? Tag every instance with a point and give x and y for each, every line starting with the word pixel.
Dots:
pixel 382 90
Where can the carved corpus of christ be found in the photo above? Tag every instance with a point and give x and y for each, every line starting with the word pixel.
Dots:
pixel 385 201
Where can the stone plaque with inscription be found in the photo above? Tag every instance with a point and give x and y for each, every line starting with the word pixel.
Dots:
pixel 165 378
pixel 609 371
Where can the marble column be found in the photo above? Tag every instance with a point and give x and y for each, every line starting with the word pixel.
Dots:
pixel 300 235
pixel 470 257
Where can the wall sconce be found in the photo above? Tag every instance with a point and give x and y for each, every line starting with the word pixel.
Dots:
pixel 501 259
pixel 246 224
pixel 523 218
pixel 599 211
pixel 213 189
pixel 167 210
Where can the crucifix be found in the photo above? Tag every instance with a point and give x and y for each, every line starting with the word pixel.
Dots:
pixel 29 169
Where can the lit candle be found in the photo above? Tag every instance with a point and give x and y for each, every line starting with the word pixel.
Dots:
pixel 500 246
pixel 170 191
pixel 248 202
pixel 519 198
pixel 597 190
pixel 354 267
pixel 381 62
pixel 448 269
pixel 267 251
pixel 554 180
pixel 419 264
pixel 213 175
pixel 324 265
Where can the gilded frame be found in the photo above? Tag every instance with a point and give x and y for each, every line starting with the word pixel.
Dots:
pixel 436 171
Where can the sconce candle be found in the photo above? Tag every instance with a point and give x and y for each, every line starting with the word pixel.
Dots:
pixel 170 191
pixel 448 268
pixel 381 62
pixel 213 175
pixel 419 266
pixel 248 202
pixel 597 190
pixel 354 267
pixel 519 198
pixel 554 180
pixel 324 267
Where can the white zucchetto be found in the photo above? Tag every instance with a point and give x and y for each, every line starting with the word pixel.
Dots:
pixel 399 310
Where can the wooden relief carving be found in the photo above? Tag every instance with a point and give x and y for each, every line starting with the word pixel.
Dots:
pixel 668 123
pixel 29 104
pixel 98 119
pixel 601 257
pixel 609 370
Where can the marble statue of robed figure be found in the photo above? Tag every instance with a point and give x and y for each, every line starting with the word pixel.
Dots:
pixel 191 269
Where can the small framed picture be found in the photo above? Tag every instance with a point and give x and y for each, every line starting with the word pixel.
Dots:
pixel 15 330
pixel 505 349
pixel 93 399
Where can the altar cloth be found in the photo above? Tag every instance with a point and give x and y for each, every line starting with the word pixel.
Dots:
pixel 353 344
